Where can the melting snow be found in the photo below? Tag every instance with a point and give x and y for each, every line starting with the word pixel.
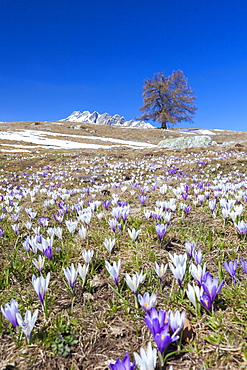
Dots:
pixel 39 138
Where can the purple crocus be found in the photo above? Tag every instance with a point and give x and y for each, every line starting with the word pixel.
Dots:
pixel 43 221
pixel 9 311
pixel 241 227
pixel 155 320
pixel 124 364
pixel 206 301
pixel 197 255
pixel 211 287
pixel 142 199
pixel 160 230
pixel 1 232
pixel 160 330
pixel 187 208
pixel 107 204
pixel 244 265
pixel 163 339
pixel 231 268
pixel 48 252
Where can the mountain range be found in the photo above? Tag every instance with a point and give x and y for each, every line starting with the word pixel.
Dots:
pixel 105 119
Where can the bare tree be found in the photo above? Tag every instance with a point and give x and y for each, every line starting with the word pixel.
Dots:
pixel 168 100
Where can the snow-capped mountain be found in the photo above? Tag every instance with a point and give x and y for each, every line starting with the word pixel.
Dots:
pixel 105 119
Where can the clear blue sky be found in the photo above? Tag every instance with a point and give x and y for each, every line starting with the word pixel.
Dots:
pixel 58 56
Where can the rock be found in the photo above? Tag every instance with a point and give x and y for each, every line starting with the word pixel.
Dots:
pixel 76 127
pixel 187 142
pixel 105 119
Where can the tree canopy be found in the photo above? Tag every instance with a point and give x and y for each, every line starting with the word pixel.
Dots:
pixel 168 99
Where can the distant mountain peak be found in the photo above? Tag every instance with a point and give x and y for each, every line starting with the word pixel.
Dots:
pixel 105 119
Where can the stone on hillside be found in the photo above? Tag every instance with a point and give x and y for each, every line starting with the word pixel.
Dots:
pixel 187 142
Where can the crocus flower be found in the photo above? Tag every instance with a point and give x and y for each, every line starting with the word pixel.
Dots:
pixel 82 232
pixel 211 286
pixel 163 189
pixel 155 320
pixel 190 247
pixel 107 204
pixel 160 270
pixel 43 221
pixel 134 233
pixel 244 265
pixel 15 228
pixel 124 364
pixel 194 294
pixel 1 232
pixel 87 255
pixel 71 226
pixel 206 301
pixel 109 244
pixel 83 270
pixel 39 263
pixel 40 285
pixel 142 199
pixel 113 224
pixel 28 225
pixel 160 230
pixel 146 301
pixel 178 272
pixel 231 268
pixel 28 323
pixel 212 204
pixel 198 272
pixel 241 227
pixel 178 259
pixel 71 275
pixel 197 256
pixel 48 252
pixel 186 208
pixel 163 339
pixel 114 270
pixel 134 281
pixel 9 311
pixel 176 320
pixel 147 359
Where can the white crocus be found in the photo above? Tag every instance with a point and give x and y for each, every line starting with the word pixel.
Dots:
pixel 40 285
pixel 160 270
pixel 109 244
pixel 147 358
pixel 198 272
pixel 83 270
pixel 39 263
pixel 87 255
pixel 178 259
pixel 134 233
pixel 82 232
pixel 134 281
pixel 194 294
pixel 28 323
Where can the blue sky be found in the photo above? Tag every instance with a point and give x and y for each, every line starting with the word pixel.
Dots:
pixel 58 56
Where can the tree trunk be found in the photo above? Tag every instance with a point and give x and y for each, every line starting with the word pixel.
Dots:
pixel 164 125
